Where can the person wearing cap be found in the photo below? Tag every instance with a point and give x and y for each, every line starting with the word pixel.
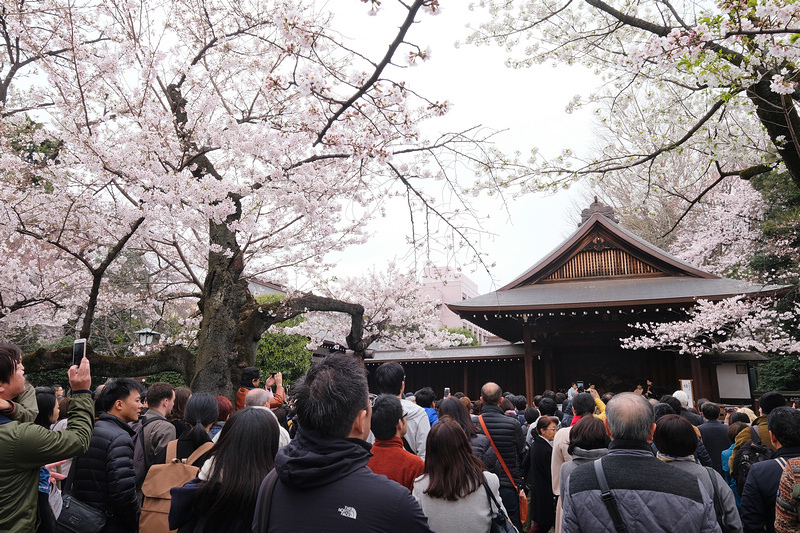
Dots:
pixel 251 378
pixel 758 430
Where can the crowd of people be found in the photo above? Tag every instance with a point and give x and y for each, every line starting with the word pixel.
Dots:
pixel 334 456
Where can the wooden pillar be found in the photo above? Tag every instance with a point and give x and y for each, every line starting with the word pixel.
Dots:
pixel 697 377
pixel 465 383
pixel 527 341
pixel 549 371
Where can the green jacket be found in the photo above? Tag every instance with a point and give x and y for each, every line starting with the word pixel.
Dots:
pixel 26 447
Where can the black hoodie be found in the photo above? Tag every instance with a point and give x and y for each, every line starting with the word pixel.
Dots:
pixel 324 485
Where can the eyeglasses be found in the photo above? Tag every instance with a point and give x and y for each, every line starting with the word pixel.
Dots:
pixel 551 428
pixel 404 414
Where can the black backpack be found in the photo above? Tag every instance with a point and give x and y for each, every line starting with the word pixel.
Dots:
pixel 751 453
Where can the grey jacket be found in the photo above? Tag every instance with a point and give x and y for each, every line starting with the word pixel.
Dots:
pixel 730 513
pixel 579 457
pixel 156 434
pixel 651 495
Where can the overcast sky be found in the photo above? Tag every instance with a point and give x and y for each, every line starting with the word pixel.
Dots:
pixel 528 103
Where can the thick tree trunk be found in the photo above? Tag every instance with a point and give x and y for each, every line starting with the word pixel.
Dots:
pixel 778 114
pixel 224 295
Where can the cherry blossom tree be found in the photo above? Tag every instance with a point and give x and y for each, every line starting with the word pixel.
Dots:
pixel 717 81
pixel 218 142
pixel 396 313
pixel 733 324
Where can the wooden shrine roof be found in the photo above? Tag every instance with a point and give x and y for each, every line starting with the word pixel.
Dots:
pixel 605 268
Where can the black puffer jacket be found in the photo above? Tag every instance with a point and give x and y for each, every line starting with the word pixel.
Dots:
pixel 482 449
pixel 104 475
pixel 509 440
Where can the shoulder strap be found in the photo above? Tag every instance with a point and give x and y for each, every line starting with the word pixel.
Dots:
pixel 492 499
pixel 608 497
pixel 264 502
pixel 199 452
pixel 497 452
pixel 717 502
pixel 66 487
pixel 500 513
pixel 172 451
pixel 781 461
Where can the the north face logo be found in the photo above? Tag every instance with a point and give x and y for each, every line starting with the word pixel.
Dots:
pixel 347 512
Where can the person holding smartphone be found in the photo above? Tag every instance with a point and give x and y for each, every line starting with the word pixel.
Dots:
pixel 25 447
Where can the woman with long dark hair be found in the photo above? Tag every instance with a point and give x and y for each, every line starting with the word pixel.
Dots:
pixel 451 489
pixel 223 497
pixel 200 414
pixel 176 416
pixel 479 443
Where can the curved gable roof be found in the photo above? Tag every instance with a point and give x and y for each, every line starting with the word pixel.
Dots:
pixel 602 249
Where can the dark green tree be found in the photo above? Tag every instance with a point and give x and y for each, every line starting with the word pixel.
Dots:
pixel 777 261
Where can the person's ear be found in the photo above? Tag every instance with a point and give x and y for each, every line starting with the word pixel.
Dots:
pixel 605 423
pixel 652 432
pixel 360 424
pixel 772 439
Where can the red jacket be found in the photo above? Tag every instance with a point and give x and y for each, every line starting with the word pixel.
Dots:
pixel 391 460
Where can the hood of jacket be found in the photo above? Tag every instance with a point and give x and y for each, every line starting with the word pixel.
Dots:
pixel 589 455
pixel 311 460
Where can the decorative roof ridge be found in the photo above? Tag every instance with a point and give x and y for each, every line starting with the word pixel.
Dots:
pixel 599 217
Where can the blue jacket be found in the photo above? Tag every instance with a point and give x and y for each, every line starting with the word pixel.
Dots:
pixel 761 490
pixel 433 416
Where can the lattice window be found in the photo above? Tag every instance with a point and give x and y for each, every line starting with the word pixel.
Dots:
pixel 601 263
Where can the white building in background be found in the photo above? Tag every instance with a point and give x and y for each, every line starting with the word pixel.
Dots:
pixel 447 285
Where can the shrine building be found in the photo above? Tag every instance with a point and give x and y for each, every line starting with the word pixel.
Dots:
pixel 564 319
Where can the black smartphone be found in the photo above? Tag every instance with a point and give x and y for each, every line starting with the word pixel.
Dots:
pixel 78 351
pixel 446 392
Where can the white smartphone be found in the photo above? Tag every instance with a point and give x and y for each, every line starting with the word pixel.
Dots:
pixel 78 351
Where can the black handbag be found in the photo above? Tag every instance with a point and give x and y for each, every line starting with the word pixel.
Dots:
pixel 500 522
pixel 76 516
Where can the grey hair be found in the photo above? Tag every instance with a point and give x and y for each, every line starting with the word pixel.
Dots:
pixel 256 398
pixel 630 417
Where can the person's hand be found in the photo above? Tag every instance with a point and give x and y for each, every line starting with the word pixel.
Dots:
pixel 279 379
pixel 594 394
pixel 80 378
pixel 269 382
pixel 5 405
pixel 54 476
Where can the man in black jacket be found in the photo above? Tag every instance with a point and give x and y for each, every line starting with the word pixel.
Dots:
pixel 506 433
pixel 323 482
pixel 761 489
pixel 714 434
pixel 104 476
